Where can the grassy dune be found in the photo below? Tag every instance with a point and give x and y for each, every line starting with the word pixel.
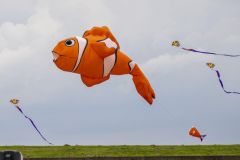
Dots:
pixel 124 150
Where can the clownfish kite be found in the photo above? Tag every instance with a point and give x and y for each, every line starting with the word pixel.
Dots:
pixel 15 102
pixel 177 44
pixel 96 56
pixel 211 66
pixel 195 133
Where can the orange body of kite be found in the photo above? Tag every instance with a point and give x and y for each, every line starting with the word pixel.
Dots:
pixel 97 55
pixel 195 133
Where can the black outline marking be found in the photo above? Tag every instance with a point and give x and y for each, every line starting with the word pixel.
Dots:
pixel 77 57
pixel 103 69
pixel 84 33
pixel 82 54
pixel 115 60
pixel 129 66
pixel 103 39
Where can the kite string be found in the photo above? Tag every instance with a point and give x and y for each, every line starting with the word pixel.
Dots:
pixel 221 83
pixel 193 50
pixel 32 124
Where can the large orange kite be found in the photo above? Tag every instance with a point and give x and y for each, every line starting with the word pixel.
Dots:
pixel 96 56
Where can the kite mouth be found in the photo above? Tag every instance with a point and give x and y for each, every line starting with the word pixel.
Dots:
pixel 55 56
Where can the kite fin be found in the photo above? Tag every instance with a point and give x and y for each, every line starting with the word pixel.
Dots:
pixel 102 33
pixel 142 85
pixel 89 82
pixel 202 137
pixel 104 48
pixel 104 44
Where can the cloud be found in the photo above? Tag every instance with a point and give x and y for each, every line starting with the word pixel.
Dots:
pixel 167 63
pixel 69 112
pixel 36 32
pixel 25 51
pixel 24 45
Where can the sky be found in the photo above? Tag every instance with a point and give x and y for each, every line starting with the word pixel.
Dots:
pixel 112 113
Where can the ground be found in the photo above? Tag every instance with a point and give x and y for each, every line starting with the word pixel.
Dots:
pixel 124 150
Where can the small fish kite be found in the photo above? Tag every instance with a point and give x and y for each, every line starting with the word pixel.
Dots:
pixel 15 102
pixel 195 133
pixel 211 66
pixel 177 44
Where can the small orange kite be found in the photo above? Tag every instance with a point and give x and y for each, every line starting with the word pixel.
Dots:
pixel 195 133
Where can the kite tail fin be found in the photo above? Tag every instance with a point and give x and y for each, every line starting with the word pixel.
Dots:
pixel 202 137
pixel 142 84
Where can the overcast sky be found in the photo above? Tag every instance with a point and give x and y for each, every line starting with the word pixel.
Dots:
pixel 67 112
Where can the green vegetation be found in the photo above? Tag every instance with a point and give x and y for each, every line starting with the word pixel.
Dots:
pixel 124 151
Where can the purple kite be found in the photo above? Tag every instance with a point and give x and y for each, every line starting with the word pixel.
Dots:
pixel 15 102
pixel 211 66
pixel 177 44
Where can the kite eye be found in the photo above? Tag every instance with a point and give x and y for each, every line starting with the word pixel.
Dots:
pixel 69 42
